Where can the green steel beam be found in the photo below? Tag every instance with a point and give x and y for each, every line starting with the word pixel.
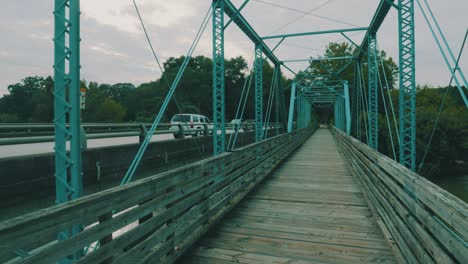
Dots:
pixel 281 97
pixel 349 39
pixel 219 127
pixel 347 107
pixel 407 84
pixel 337 115
pixel 258 93
pixel 292 101
pixel 277 97
pixel 320 59
pixel 238 10
pixel 373 92
pixel 379 16
pixel 68 173
pixel 241 22
pixel 67 165
pixel 289 69
pixel 393 4
pixel 277 44
pixel 315 33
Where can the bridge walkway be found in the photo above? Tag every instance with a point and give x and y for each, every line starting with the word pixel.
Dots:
pixel 310 210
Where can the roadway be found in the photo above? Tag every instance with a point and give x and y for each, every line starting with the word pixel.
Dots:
pixel 8 151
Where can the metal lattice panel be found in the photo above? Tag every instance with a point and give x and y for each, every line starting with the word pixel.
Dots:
pixel 258 93
pixel 219 128
pixel 373 92
pixel 66 100
pixel 68 175
pixel 407 84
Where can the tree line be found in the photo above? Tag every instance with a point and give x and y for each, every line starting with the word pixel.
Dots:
pixel 31 100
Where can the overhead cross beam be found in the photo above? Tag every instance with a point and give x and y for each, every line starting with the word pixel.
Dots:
pixel 282 36
pixel 320 59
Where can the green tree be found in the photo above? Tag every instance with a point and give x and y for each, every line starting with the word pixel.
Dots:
pixel 29 101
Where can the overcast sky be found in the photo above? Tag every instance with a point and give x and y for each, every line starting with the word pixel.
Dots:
pixel 113 47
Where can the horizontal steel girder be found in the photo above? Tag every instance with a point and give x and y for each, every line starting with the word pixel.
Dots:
pixel 315 33
pixel 320 59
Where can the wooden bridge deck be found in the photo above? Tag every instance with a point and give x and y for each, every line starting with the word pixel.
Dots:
pixel 310 210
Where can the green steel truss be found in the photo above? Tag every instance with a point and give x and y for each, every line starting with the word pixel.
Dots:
pixel 373 91
pixel 292 102
pixel 219 127
pixel 67 56
pixel 358 96
pixel 68 173
pixel 347 107
pixel 277 73
pixel 407 84
pixel 258 93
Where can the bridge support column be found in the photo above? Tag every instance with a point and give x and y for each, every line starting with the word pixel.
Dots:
pixel 358 94
pixel 373 92
pixel 259 93
pixel 347 107
pixel 292 101
pixel 281 98
pixel 339 115
pixel 407 84
pixel 68 172
pixel 277 98
pixel 219 126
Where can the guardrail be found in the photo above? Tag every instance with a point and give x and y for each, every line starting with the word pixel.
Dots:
pixel 11 134
pixel 425 223
pixel 157 218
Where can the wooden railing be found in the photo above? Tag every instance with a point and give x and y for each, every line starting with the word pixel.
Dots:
pixel 152 220
pixel 424 223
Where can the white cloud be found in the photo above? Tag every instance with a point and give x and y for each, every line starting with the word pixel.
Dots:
pixel 121 14
pixel 114 48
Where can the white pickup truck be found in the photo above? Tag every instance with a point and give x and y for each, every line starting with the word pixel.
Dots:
pixel 190 122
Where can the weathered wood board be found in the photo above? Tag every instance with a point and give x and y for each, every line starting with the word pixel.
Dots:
pixel 310 210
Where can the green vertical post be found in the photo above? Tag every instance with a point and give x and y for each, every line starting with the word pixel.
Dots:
pixel 282 102
pixel 299 110
pixel 74 98
pixel 292 100
pixel 336 114
pixel 373 91
pixel 347 107
pixel 68 173
pixel 277 99
pixel 407 84
pixel 357 89
pixel 258 92
pixel 62 161
pixel 67 56
pixel 219 126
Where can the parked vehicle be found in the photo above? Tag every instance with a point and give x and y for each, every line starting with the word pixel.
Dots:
pixel 236 124
pixel 189 122
pixel 249 125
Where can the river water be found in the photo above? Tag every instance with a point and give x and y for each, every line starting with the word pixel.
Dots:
pixel 457 185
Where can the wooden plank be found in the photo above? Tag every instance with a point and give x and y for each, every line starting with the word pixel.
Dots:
pixel 195 189
pixel 451 209
pixel 417 218
pixel 386 216
pixel 296 217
